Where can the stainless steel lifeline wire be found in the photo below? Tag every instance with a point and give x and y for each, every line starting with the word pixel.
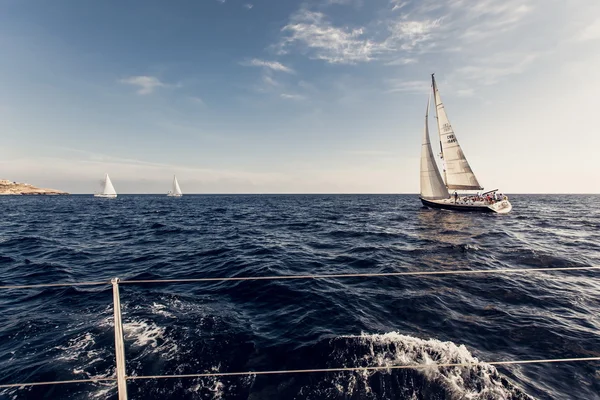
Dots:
pixel 318 370
pixel 321 276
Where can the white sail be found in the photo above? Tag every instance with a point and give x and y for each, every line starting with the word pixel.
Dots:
pixel 176 188
pixel 109 189
pixel 458 172
pixel 432 185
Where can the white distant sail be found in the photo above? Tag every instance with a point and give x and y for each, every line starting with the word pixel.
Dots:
pixel 109 189
pixel 176 191
pixel 458 172
pixel 432 185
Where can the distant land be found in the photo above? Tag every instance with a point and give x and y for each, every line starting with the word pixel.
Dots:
pixel 16 188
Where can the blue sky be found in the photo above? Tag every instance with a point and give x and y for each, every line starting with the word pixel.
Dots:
pixel 265 96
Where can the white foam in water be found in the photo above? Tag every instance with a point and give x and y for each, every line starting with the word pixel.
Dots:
pixel 390 349
pixel 160 309
pixel 80 351
pixel 150 336
pixel 213 384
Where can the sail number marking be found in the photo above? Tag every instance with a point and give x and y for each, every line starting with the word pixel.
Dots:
pixel 450 139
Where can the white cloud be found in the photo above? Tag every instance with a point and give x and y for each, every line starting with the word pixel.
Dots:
pixel 288 96
pixel 249 6
pixel 197 100
pixel 591 32
pixel 402 61
pixel 145 84
pixel 398 4
pixel 317 36
pixel 267 79
pixel 490 70
pixel 368 153
pixel 465 92
pixel 401 85
pixel 272 65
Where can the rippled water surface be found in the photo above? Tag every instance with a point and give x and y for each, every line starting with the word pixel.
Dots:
pixel 66 333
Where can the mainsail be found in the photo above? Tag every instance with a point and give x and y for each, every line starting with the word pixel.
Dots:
pixel 108 187
pixel 458 172
pixel 176 188
pixel 432 185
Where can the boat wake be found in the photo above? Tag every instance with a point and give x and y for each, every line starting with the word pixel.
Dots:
pixel 479 382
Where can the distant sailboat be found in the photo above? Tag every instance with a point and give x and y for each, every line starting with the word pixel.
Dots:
pixel 458 174
pixel 109 190
pixel 176 191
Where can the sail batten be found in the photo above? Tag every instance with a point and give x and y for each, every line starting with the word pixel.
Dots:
pixel 432 185
pixel 458 172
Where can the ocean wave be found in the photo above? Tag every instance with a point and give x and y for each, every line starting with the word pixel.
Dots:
pixel 480 382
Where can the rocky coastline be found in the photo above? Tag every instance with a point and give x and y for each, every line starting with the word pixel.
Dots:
pixel 25 189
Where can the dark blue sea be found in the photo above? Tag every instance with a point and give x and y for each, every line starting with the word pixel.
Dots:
pixel 67 333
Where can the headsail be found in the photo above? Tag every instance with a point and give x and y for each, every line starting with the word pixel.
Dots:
pixel 108 186
pixel 176 188
pixel 432 185
pixel 459 175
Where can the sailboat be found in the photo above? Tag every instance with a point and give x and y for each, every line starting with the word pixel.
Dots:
pixel 458 175
pixel 109 190
pixel 176 192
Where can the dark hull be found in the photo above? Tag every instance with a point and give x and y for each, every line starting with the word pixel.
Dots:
pixel 456 207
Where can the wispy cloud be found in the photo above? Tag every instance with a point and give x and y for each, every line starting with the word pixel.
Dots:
pixel 368 153
pixel 338 1
pixel 145 84
pixel 465 92
pixel 327 42
pixel 398 4
pixel 272 65
pixel 288 96
pixel 267 79
pixel 197 100
pixel 590 32
pixel 490 70
pixel 401 85
pixel 249 6
pixel 315 35
pixel 402 61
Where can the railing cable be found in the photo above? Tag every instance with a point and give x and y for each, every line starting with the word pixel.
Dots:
pixel 45 285
pixel 359 275
pixel 92 380
pixel 317 370
pixel 377 368
pixel 322 276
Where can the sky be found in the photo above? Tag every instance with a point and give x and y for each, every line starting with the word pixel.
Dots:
pixel 274 96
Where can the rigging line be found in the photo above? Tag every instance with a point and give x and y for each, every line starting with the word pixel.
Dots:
pixel 378 368
pixel 18 385
pixel 301 371
pixel 42 285
pixel 324 276
pixel 383 274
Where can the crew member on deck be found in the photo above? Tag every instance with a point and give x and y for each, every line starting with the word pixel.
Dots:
pixel 455 197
